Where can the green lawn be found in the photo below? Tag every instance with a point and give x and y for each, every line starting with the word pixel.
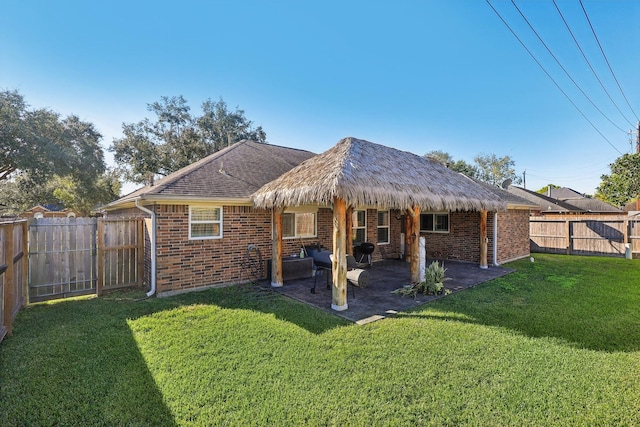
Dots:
pixel 555 343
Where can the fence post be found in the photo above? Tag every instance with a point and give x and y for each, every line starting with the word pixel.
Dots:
pixel 140 249
pixel 568 236
pixel 8 281
pixel 25 263
pixel 100 255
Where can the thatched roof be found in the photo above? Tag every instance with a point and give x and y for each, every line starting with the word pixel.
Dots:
pixel 367 174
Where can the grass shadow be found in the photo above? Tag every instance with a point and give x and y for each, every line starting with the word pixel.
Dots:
pixel 78 363
pixel 261 298
pixel 586 302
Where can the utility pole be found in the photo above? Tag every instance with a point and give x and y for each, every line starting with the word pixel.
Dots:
pixel 524 179
pixel 638 138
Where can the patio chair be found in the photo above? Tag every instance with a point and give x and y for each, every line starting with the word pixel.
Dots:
pixel 352 265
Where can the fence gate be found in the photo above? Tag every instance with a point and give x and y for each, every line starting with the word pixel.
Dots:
pixel 62 258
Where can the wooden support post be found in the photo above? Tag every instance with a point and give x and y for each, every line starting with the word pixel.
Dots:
pixel 276 248
pixel 407 236
pixel 484 239
pixel 414 239
pixel 349 227
pixel 339 267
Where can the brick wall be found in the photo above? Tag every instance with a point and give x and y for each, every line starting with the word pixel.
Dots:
pixel 184 264
pixel 461 243
pixel 513 235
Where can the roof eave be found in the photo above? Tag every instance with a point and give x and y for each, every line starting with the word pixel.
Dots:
pixel 177 200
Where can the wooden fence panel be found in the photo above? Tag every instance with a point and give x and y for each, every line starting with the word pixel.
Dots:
pixel 4 265
pixel 548 236
pixel 591 236
pixel 61 257
pixel 13 261
pixel 120 253
pixel 598 237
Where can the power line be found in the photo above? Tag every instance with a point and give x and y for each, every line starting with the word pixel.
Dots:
pixel 550 77
pixel 562 67
pixel 607 61
pixel 589 64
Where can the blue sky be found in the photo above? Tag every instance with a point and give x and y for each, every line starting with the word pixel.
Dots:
pixel 414 75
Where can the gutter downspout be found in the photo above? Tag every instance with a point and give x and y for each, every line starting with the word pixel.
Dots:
pixel 153 246
pixel 495 239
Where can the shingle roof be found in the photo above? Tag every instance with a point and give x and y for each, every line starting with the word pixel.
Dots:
pixel 565 193
pixel 546 204
pixel 573 198
pixel 232 173
pixel 510 198
pixel 592 205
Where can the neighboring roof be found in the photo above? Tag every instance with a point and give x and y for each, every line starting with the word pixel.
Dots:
pixel 512 200
pixel 578 200
pixel 367 174
pixel 565 193
pixel 593 205
pixel 546 204
pixel 47 207
pixel 232 173
pixel 632 206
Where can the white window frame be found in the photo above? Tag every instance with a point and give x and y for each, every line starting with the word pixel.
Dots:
pixel 434 214
pixel 388 227
pixel 301 211
pixel 192 221
pixel 361 227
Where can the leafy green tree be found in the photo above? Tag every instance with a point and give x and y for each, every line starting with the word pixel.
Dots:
pixel 23 193
pixel 85 199
pixel 495 170
pixel 176 138
pixel 41 144
pixel 456 165
pixel 623 183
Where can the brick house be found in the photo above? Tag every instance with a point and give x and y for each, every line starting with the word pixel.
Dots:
pixel 202 220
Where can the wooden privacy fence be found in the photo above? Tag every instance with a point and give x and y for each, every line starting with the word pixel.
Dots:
pixel 580 236
pixel 13 272
pixel 79 256
pixel 120 253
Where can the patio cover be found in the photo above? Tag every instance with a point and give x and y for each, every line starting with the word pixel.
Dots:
pixel 356 172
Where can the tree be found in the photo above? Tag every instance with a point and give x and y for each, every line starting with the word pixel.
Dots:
pixel 39 143
pixel 176 138
pixel 494 170
pixel 42 153
pixel 457 165
pixel 23 193
pixel 84 199
pixel 623 183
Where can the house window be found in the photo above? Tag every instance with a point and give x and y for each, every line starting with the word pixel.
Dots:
pixel 205 223
pixel 383 227
pixel 434 222
pixel 359 219
pixel 298 224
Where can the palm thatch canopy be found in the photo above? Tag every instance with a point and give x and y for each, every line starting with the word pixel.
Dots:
pixel 367 174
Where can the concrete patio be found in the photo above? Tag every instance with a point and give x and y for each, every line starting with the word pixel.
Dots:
pixel 375 301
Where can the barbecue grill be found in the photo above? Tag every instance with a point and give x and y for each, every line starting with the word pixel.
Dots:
pixel 366 249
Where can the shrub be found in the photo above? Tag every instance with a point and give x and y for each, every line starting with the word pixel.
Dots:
pixel 433 284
